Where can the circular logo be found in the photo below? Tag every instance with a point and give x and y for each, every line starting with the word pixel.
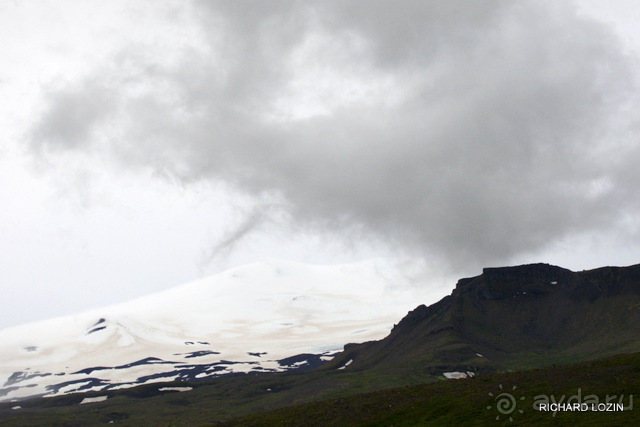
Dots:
pixel 506 403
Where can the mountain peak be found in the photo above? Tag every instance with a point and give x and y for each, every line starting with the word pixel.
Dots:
pixel 218 325
pixel 502 282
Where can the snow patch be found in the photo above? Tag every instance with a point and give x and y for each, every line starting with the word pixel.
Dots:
pixel 180 389
pixel 94 399
pixel 454 375
pixel 349 362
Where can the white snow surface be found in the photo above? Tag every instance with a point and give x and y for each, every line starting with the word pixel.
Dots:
pixel 349 362
pixel 180 389
pixel 454 375
pixel 273 309
pixel 458 375
pixel 93 399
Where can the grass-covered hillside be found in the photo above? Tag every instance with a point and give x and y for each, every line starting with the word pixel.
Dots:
pixel 476 401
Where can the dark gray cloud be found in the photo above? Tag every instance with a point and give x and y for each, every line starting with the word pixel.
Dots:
pixel 470 131
pixel 72 114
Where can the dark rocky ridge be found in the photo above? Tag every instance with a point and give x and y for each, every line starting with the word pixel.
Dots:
pixel 512 318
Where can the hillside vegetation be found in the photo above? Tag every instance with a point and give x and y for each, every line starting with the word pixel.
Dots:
pixel 541 329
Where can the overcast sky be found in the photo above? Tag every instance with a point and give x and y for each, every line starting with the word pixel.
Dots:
pixel 146 144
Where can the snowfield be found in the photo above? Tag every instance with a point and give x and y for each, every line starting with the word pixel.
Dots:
pixel 249 319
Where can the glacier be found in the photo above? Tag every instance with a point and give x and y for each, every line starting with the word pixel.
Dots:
pixel 269 316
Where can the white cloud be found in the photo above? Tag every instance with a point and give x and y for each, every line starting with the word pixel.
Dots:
pixel 472 133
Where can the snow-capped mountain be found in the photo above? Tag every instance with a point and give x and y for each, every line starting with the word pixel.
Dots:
pixel 270 316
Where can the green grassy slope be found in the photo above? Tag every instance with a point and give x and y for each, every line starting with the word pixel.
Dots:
pixel 473 401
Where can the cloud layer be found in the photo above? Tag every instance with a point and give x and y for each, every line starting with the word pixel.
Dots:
pixel 465 131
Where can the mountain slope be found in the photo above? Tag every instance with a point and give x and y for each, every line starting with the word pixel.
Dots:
pixel 512 318
pixel 249 319
pixel 475 402
pixel 504 319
